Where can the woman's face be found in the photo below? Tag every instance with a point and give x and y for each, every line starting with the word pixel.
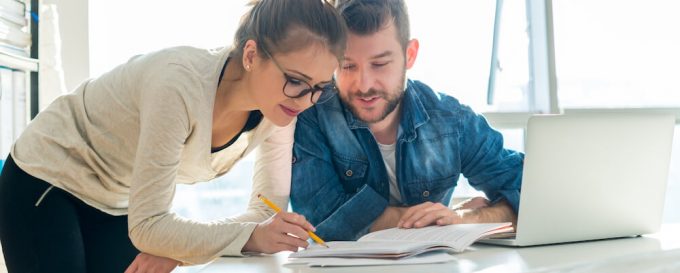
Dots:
pixel 312 66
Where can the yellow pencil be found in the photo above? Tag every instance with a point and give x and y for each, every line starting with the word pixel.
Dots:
pixel 277 209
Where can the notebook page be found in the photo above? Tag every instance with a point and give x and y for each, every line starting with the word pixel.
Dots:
pixel 391 249
pixel 426 258
pixel 458 236
pixel 399 243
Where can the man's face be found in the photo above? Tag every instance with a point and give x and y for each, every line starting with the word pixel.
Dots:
pixel 371 76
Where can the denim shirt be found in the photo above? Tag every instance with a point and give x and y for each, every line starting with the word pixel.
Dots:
pixel 340 182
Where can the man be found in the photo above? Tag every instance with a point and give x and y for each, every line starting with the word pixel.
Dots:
pixel 388 152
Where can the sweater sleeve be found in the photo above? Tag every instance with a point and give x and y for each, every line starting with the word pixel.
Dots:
pixel 164 126
pixel 272 175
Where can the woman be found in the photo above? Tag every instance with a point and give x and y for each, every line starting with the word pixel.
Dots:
pixel 102 163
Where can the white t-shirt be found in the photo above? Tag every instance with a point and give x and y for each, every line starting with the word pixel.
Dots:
pixel 389 157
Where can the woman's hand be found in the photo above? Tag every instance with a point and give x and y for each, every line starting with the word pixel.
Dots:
pixel 283 231
pixel 147 263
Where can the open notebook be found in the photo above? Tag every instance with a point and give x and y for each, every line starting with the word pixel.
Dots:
pixel 397 243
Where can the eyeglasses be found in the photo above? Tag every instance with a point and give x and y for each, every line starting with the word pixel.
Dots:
pixel 296 88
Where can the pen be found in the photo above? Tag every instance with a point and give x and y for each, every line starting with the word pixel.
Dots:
pixel 277 209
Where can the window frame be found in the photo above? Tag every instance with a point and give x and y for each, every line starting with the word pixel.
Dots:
pixel 542 94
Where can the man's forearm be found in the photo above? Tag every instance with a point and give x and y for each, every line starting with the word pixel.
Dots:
pixel 388 219
pixel 499 212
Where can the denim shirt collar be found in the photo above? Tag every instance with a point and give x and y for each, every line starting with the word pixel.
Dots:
pixel 413 114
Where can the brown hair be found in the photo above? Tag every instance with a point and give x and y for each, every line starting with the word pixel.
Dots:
pixel 281 26
pixel 364 17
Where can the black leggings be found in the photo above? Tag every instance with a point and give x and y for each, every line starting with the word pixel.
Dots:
pixel 61 233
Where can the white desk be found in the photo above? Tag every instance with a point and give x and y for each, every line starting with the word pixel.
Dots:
pixel 575 257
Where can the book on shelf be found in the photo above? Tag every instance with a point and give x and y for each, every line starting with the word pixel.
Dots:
pixel 15 40
pixel 20 103
pixel 6 111
pixel 13 6
pixel 13 107
pixel 13 35
pixel 397 243
pixel 14 50
pixel 8 23
pixel 14 18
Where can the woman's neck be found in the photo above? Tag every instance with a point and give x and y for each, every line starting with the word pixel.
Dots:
pixel 232 105
pixel 233 92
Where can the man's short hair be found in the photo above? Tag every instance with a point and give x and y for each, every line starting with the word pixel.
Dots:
pixel 365 17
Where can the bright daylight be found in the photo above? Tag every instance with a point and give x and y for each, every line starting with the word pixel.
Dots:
pixel 285 136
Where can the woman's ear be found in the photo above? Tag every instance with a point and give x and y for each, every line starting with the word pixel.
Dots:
pixel 249 54
pixel 411 52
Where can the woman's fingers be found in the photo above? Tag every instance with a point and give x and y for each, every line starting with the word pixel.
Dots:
pixel 147 263
pixel 286 247
pixel 297 231
pixel 293 241
pixel 283 231
pixel 132 268
pixel 297 219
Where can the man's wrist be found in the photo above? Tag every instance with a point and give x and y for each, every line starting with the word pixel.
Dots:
pixel 388 219
pixel 469 216
pixel 499 212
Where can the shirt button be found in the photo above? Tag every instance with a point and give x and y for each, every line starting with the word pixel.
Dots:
pixel 426 193
pixel 349 173
pixel 294 159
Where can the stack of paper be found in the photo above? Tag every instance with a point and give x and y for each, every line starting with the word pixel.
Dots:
pixel 400 246
pixel 426 258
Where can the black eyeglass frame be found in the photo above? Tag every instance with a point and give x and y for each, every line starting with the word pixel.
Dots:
pixel 324 92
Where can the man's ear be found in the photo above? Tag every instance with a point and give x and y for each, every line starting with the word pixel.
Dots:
pixel 249 53
pixel 411 52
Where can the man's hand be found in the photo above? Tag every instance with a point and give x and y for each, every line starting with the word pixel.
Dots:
pixel 283 231
pixel 428 213
pixel 475 210
pixel 147 263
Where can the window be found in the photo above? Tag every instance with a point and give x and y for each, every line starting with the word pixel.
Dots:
pixel 613 54
pixel 457 60
pixel 456 39
pixel 122 29
pixel 225 196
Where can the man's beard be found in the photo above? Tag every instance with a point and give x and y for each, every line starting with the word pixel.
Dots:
pixel 392 102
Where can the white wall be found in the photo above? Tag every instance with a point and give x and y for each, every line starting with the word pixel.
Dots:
pixel 73 26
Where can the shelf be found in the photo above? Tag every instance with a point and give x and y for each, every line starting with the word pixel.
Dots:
pixel 17 62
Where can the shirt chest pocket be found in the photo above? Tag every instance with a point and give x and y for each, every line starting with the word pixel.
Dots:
pixel 351 172
pixel 438 190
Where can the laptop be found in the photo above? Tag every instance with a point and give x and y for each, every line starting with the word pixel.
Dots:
pixel 592 176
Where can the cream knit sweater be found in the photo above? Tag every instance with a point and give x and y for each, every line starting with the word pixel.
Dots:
pixel 121 142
